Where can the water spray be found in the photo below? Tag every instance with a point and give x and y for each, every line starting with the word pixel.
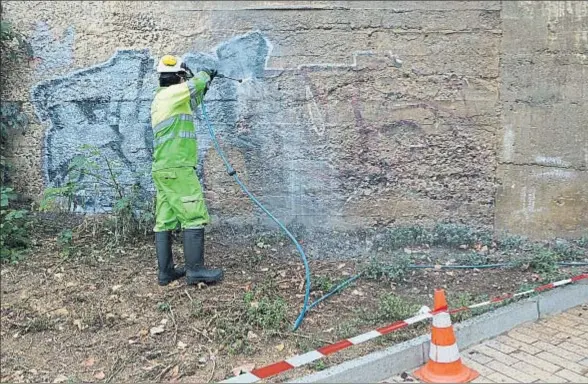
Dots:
pixel 307 305
pixel 232 172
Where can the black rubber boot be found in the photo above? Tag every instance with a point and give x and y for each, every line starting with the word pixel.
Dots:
pixel 165 261
pixel 194 255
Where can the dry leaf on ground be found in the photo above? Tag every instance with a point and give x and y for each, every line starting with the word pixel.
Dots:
pixel 60 379
pixel 99 375
pixel 175 371
pixel 89 362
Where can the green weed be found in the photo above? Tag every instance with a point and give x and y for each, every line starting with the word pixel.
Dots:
pixel 15 50
pixel 131 214
pixel 350 328
pixel 322 283
pixel 582 242
pixel 255 258
pixel 525 287
pixel 400 237
pixel 454 235
pixel 38 324
pixel 568 250
pixel 268 313
pixel 544 261
pixel 393 308
pixel 266 241
pixel 197 309
pixel 259 309
pixel 233 335
pixel 464 300
pixel 512 243
pixel 65 243
pixel 476 258
pixel 305 345
pixel 14 227
pixel 394 271
pixel 442 234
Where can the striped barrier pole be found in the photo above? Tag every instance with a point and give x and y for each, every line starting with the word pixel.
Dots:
pixel 308 357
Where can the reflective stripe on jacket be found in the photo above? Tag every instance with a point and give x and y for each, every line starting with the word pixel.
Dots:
pixel 174 135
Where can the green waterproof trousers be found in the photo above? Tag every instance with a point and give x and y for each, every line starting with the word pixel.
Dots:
pixel 179 200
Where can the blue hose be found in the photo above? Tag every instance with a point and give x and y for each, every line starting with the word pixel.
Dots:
pixel 231 171
pixel 481 266
pixel 486 266
pixel 334 290
pixel 425 266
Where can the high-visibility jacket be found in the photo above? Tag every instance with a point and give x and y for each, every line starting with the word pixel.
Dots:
pixel 174 134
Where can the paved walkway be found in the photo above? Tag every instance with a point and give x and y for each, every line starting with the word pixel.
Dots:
pixel 552 350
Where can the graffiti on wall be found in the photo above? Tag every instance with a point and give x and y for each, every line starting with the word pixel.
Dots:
pixel 108 106
pixel 280 127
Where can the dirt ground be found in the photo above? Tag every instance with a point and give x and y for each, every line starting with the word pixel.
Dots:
pixel 95 313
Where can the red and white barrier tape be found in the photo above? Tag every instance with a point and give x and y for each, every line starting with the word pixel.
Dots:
pixel 541 288
pixel 308 357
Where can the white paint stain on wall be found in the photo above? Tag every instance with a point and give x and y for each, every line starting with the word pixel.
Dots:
pixel 555 10
pixel 528 202
pixel 316 118
pixel 396 61
pixel 555 173
pixel 508 143
pixel 581 41
pixel 523 201
pixel 551 161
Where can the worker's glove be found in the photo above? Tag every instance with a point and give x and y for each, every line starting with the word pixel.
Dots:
pixel 212 73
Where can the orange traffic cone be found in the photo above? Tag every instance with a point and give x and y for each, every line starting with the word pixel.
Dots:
pixel 444 365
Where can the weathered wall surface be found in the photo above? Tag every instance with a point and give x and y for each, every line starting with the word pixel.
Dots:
pixel 543 154
pixel 328 130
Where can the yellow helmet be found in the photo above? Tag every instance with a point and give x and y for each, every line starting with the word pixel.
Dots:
pixel 170 64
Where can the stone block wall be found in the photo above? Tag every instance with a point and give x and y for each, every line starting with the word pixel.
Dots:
pixel 484 124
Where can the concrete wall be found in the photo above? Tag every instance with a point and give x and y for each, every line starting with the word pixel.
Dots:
pixel 543 153
pixel 484 124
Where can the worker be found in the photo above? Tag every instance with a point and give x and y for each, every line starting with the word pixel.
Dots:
pixel 179 199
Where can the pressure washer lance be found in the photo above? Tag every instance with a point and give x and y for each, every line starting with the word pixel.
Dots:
pixel 221 76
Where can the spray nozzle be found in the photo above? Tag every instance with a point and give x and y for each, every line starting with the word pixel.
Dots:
pixel 221 76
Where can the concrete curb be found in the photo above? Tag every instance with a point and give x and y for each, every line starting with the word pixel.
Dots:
pixel 380 365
